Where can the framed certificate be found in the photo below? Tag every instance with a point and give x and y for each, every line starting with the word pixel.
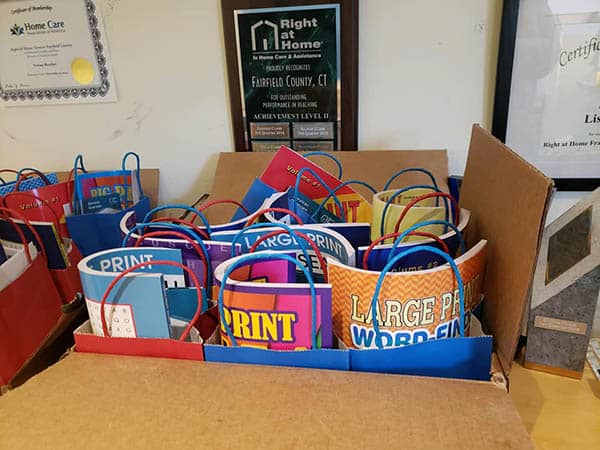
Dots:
pixel 547 104
pixel 53 52
pixel 292 69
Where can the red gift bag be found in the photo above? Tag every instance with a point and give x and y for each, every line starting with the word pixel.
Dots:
pixel 189 346
pixel 30 306
pixel 46 205
pixel 66 278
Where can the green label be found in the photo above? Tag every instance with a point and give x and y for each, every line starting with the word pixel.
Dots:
pixel 289 68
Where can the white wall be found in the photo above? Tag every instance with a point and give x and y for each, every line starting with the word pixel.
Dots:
pixel 426 74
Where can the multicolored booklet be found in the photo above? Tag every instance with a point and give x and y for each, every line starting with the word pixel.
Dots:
pixel 357 233
pixel 281 173
pixel 274 315
pixel 329 242
pixel 137 307
pixel 413 307
pixel 379 255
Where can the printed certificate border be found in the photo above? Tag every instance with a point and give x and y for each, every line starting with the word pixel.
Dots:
pixel 100 90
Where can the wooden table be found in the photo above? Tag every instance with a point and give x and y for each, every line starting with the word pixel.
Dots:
pixel 558 412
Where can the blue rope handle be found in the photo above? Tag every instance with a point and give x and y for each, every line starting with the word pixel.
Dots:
pixel 389 201
pixel 153 211
pixel 418 225
pixel 388 267
pixel 283 226
pixel 320 180
pixel 172 226
pixel 331 157
pixel 138 168
pixel 267 256
pixel 410 169
pixel 345 183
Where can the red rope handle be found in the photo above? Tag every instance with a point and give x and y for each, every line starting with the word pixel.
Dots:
pixel 202 233
pixel 365 259
pixel 207 205
pixel 414 201
pixel 30 173
pixel 35 197
pixel 258 213
pixel 308 240
pixel 179 235
pixel 189 271
pixel 21 217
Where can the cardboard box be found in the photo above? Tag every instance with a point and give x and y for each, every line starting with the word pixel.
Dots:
pixel 138 401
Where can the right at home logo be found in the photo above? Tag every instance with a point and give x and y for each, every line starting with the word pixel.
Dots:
pixel 267 36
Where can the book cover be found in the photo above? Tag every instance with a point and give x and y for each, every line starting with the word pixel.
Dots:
pixel 329 243
pixel 274 315
pixel 413 307
pixel 281 173
pixel 138 306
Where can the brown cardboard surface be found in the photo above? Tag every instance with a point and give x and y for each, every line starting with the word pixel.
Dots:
pixel 149 179
pixel 508 199
pixel 98 401
pixel 236 171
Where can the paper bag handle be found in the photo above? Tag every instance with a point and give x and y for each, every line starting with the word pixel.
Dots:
pixel 267 256
pixel 202 233
pixel 337 188
pixel 140 240
pixel 331 157
pixel 30 171
pixel 153 211
pixel 138 169
pixel 142 227
pixel 260 212
pixel 296 234
pixel 17 215
pixel 320 180
pixel 365 259
pixel 396 193
pixel 425 197
pixel 418 225
pixel 205 206
pixel 2 180
pixel 390 180
pixel 119 277
pixel 394 260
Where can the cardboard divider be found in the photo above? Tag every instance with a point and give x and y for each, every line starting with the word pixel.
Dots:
pixel 508 199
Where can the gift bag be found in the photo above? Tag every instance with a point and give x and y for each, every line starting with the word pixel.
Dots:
pixel 28 181
pixel 30 306
pixel 285 324
pixel 46 203
pixel 100 201
pixel 61 255
pixel 134 319
pixel 432 340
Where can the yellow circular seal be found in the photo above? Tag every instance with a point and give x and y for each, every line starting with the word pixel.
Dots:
pixel 82 71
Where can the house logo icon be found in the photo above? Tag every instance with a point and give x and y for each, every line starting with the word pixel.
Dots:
pixel 267 33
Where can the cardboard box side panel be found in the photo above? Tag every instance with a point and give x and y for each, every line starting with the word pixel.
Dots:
pixel 149 182
pixel 236 171
pixel 508 201
pixel 354 410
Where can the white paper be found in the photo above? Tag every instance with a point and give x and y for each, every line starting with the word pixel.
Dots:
pixel 53 51
pixel 554 119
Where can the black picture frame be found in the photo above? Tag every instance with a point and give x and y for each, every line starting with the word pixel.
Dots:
pixel 349 65
pixel 506 54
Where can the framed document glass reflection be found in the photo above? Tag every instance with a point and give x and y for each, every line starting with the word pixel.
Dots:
pixel 548 88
